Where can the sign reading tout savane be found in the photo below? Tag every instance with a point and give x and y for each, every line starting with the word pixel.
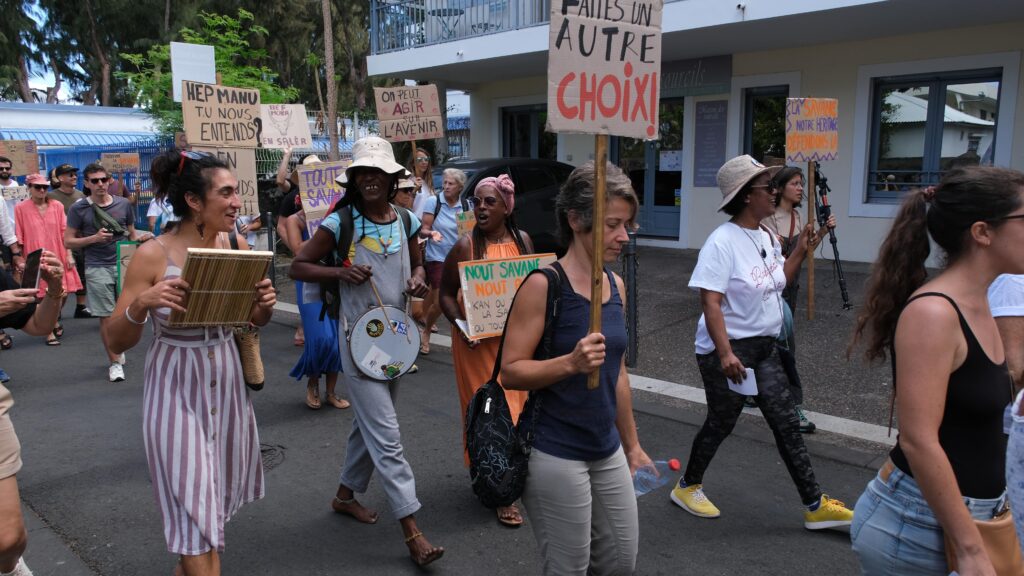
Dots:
pixel 409 113
pixel 812 129
pixel 120 161
pixel 242 163
pixel 285 125
pixel 221 116
pixel 488 287
pixel 604 59
pixel 24 155
pixel 318 190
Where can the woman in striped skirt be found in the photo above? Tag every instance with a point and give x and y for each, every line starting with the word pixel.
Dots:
pixel 198 422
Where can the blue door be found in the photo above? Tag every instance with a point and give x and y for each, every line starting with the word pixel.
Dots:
pixel 655 168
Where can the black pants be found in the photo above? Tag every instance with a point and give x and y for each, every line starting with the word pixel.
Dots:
pixel 80 267
pixel 775 401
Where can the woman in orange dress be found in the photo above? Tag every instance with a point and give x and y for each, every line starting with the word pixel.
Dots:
pixel 495 236
pixel 40 223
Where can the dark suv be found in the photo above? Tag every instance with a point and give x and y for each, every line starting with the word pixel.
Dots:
pixel 537 183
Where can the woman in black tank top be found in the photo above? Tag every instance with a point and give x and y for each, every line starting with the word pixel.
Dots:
pixel 951 382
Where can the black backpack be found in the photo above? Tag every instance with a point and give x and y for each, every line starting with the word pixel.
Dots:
pixel 330 292
pixel 499 451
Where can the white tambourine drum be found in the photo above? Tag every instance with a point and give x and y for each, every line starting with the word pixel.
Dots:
pixel 380 351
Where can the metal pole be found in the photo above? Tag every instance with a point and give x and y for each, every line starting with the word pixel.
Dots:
pixel 629 264
pixel 268 222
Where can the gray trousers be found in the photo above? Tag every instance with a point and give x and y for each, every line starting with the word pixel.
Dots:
pixel 375 441
pixel 583 514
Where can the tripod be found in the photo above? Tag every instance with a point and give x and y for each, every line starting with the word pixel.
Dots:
pixel 824 210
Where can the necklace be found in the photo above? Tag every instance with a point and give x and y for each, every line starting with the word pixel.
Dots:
pixel 757 245
pixel 385 243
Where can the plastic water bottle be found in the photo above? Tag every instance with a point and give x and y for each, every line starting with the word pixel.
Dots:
pixel 648 478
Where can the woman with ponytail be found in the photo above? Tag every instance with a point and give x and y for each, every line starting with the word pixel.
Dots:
pixel 198 423
pixel 494 236
pixel 951 381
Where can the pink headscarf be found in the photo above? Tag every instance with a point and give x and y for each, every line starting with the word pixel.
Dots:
pixel 503 184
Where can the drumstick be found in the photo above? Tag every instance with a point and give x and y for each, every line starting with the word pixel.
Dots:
pixel 382 309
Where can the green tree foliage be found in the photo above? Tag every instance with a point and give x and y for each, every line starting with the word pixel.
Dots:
pixel 238 63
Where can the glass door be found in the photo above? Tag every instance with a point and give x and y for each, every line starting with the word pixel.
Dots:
pixel 656 170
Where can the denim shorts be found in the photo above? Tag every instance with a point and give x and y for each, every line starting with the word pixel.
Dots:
pixel 895 532
pixel 1015 468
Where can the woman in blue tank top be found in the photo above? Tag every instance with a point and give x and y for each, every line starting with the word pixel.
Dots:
pixel 579 489
pixel 951 382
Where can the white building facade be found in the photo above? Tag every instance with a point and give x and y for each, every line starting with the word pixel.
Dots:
pixel 923 85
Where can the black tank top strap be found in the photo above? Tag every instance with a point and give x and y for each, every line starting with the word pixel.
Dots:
pixel 612 283
pixel 964 326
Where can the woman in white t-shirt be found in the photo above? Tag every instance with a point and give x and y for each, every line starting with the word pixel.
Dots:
pixel 741 274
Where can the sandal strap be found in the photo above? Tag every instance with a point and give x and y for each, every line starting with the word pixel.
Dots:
pixel 351 500
pixel 414 536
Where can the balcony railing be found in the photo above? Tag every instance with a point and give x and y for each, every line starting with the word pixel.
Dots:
pixel 403 24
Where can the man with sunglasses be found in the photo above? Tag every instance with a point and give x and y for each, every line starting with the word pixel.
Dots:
pixel 67 194
pixel 95 225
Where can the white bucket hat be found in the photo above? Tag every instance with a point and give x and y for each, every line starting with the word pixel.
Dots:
pixel 736 173
pixel 373 152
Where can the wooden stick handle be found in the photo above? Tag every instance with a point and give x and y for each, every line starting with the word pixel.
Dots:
pixel 597 258
pixel 383 310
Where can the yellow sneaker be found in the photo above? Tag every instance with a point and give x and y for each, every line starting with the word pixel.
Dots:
pixel 693 500
pixel 831 513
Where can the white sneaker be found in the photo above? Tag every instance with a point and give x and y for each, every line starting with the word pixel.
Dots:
pixel 121 359
pixel 21 569
pixel 116 372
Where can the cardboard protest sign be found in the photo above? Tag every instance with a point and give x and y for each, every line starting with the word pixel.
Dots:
pixel 221 116
pixel 488 287
pixel 15 193
pixel 409 113
pixel 194 62
pixel 285 125
pixel 465 221
pixel 120 161
pixel 604 61
pixel 318 190
pixel 812 129
pixel 24 156
pixel 125 250
pixel 242 163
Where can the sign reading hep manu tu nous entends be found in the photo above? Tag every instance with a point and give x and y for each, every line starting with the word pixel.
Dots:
pixel 604 58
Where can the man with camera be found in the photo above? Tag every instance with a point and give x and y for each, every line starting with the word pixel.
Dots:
pixel 95 224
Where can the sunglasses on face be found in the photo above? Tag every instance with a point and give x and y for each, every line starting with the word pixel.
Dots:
pixel 38 186
pixel 5 168
pixel 475 201
pixel 102 180
pixel 422 159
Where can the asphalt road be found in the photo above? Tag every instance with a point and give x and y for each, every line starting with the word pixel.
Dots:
pixel 87 493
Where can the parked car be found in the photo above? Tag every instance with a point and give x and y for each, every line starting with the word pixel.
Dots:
pixel 537 183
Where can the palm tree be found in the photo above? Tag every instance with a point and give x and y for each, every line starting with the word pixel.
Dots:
pixel 332 90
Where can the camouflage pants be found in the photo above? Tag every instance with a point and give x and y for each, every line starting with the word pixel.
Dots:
pixel 775 401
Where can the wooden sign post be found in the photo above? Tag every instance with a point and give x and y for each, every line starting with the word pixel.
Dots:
pixel 812 135
pixel 610 89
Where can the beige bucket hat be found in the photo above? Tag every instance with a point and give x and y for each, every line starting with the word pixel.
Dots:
pixel 373 152
pixel 736 173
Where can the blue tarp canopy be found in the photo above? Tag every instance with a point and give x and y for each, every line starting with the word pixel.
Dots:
pixel 52 137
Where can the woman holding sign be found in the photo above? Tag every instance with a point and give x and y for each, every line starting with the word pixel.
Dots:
pixel 380 269
pixel 495 237
pixel 198 423
pixel 741 274
pixel 579 492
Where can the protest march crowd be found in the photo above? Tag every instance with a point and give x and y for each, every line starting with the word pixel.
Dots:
pixel 546 403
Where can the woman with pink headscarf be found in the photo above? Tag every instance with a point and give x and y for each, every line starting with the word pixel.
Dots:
pixel 495 236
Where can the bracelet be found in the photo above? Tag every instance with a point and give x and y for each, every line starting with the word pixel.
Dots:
pixel 129 318
pixel 57 295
